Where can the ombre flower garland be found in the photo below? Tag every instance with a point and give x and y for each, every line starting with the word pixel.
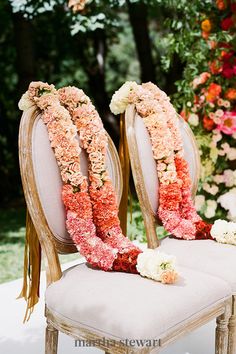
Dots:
pixel 91 208
pixel 176 208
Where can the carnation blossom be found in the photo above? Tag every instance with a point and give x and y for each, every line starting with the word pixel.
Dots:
pixel 224 232
pixel 25 102
pixel 157 266
pixel 120 99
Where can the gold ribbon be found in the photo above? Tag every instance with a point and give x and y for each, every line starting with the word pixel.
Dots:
pixel 125 166
pixel 32 267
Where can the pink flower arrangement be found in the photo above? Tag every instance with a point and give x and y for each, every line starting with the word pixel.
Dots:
pixel 227 124
pixel 176 208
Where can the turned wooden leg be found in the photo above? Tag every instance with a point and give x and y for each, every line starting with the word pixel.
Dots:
pixel 51 339
pixel 222 330
pixel 232 329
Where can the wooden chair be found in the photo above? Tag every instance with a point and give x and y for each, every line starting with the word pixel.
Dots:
pixel 108 309
pixel 202 255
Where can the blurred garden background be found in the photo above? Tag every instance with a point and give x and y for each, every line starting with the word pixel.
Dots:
pixel 187 48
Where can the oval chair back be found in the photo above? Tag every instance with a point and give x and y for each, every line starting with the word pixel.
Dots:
pixel 42 185
pixel 144 169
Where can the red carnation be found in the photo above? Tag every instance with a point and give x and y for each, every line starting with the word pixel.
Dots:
pixel 203 230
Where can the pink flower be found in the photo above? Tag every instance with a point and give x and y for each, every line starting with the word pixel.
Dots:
pixel 169 276
pixel 201 79
pixel 228 123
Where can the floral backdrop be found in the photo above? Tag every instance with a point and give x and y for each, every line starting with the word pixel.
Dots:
pixel 206 98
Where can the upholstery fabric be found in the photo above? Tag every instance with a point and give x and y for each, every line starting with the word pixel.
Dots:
pixel 148 163
pixel 123 305
pixel 205 255
pixel 48 179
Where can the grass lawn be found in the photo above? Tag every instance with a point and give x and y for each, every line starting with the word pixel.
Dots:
pixel 12 239
pixel 12 244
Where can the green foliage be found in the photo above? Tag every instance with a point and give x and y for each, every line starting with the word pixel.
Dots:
pixel 198 53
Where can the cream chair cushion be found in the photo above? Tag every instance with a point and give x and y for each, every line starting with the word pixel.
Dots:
pixel 206 256
pixel 121 305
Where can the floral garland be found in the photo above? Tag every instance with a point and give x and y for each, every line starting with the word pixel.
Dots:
pixel 176 208
pixel 92 214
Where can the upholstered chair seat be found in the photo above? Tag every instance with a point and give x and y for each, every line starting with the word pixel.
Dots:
pixel 121 305
pixel 206 256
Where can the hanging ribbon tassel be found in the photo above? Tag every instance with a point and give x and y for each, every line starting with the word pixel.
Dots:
pixel 32 267
pixel 125 166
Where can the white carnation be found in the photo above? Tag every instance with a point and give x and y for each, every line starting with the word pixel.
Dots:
pixel 151 263
pixel 218 228
pixel 25 102
pixel 119 100
pixel 224 232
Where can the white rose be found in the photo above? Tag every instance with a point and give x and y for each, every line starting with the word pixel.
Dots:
pixel 193 119
pixel 25 102
pixel 119 100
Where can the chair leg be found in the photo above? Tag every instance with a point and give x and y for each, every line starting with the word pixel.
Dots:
pixel 51 339
pixel 232 329
pixel 222 331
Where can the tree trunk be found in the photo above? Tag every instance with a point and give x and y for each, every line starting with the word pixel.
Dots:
pixel 139 21
pixel 25 62
pixel 95 70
